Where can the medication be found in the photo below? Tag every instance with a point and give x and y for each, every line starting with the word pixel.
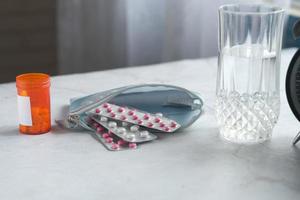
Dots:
pixel 144 134
pixel 153 121
pixel 105 137
pixel 33 103
pixel 126 131
pixel 132 145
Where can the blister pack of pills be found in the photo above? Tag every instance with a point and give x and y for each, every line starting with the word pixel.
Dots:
pixel 128 132
pixel 152 121
pixel 109 140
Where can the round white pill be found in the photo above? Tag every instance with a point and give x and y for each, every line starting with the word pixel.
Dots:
pixel 121 130
pixel 144 134
pixel 130 136
pixel 103 119
pixel 112 124
pixel 134 128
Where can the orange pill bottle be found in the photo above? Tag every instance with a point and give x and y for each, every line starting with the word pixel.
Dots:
pixel 33 103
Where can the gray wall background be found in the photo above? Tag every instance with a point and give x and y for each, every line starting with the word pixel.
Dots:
pixel 27 37
pixel 72 36
pixel 102 34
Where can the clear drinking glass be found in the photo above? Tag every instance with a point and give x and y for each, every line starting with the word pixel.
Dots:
pixel 248 101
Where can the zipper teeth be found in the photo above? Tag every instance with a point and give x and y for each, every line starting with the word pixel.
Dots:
pixel 86 108
pixel 89 107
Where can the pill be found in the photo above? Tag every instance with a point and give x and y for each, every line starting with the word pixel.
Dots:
pixel 161 125
pixel 103 119
pixel 130 136
pixel 124 124
pixel 144 134
pixel 167 129
pixel 100 129
pixel 130 112
pixel 112 115
pixel 132 145
pixel 97 110
pixel 134 128
pixel 121 142
pixel 115 146
pixel 134 117
pixel 108 110
pixel 120 110
pixel 109 140
pixel 105 135
pixel 112 124
pixel 123 117
pixel 105 105
pixel 173 124
pixel 157 120
pixel 146 117
pixel 121 130
pixel 150 125
pixel 140 121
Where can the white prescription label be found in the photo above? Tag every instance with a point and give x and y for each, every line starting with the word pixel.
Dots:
pixel 24 111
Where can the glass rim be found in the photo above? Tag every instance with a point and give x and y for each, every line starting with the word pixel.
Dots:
pixel 277 9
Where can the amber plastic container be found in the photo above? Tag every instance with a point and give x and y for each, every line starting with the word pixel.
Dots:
pixel 34 103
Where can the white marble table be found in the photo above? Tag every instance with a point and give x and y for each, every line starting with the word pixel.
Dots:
pixel 194 164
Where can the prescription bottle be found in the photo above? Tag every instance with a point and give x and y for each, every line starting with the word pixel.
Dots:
pixel 33 103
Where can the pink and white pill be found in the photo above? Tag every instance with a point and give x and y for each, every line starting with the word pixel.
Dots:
pixel 113 115
pixel 146 117
pixel 130 112
pixel 120 110
pixel 134 117
pixel 134 128
pixel 132 145
pixel 150 125
pixel 140 122
pixel 173 124
pixel 123 117
pixel 105 135
pixel 167 129
pixel 100 129
pixel 157 120
pixel 108 110
pixel 115 146
pixel 121 142
pixel 161 125
pixel 97 110
pixel 109 140
pixel 105 105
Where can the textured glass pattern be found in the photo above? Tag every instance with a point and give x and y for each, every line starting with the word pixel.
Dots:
pixel 247 118
pixel 248 100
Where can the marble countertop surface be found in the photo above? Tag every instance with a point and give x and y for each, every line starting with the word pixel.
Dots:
pixel 194 164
